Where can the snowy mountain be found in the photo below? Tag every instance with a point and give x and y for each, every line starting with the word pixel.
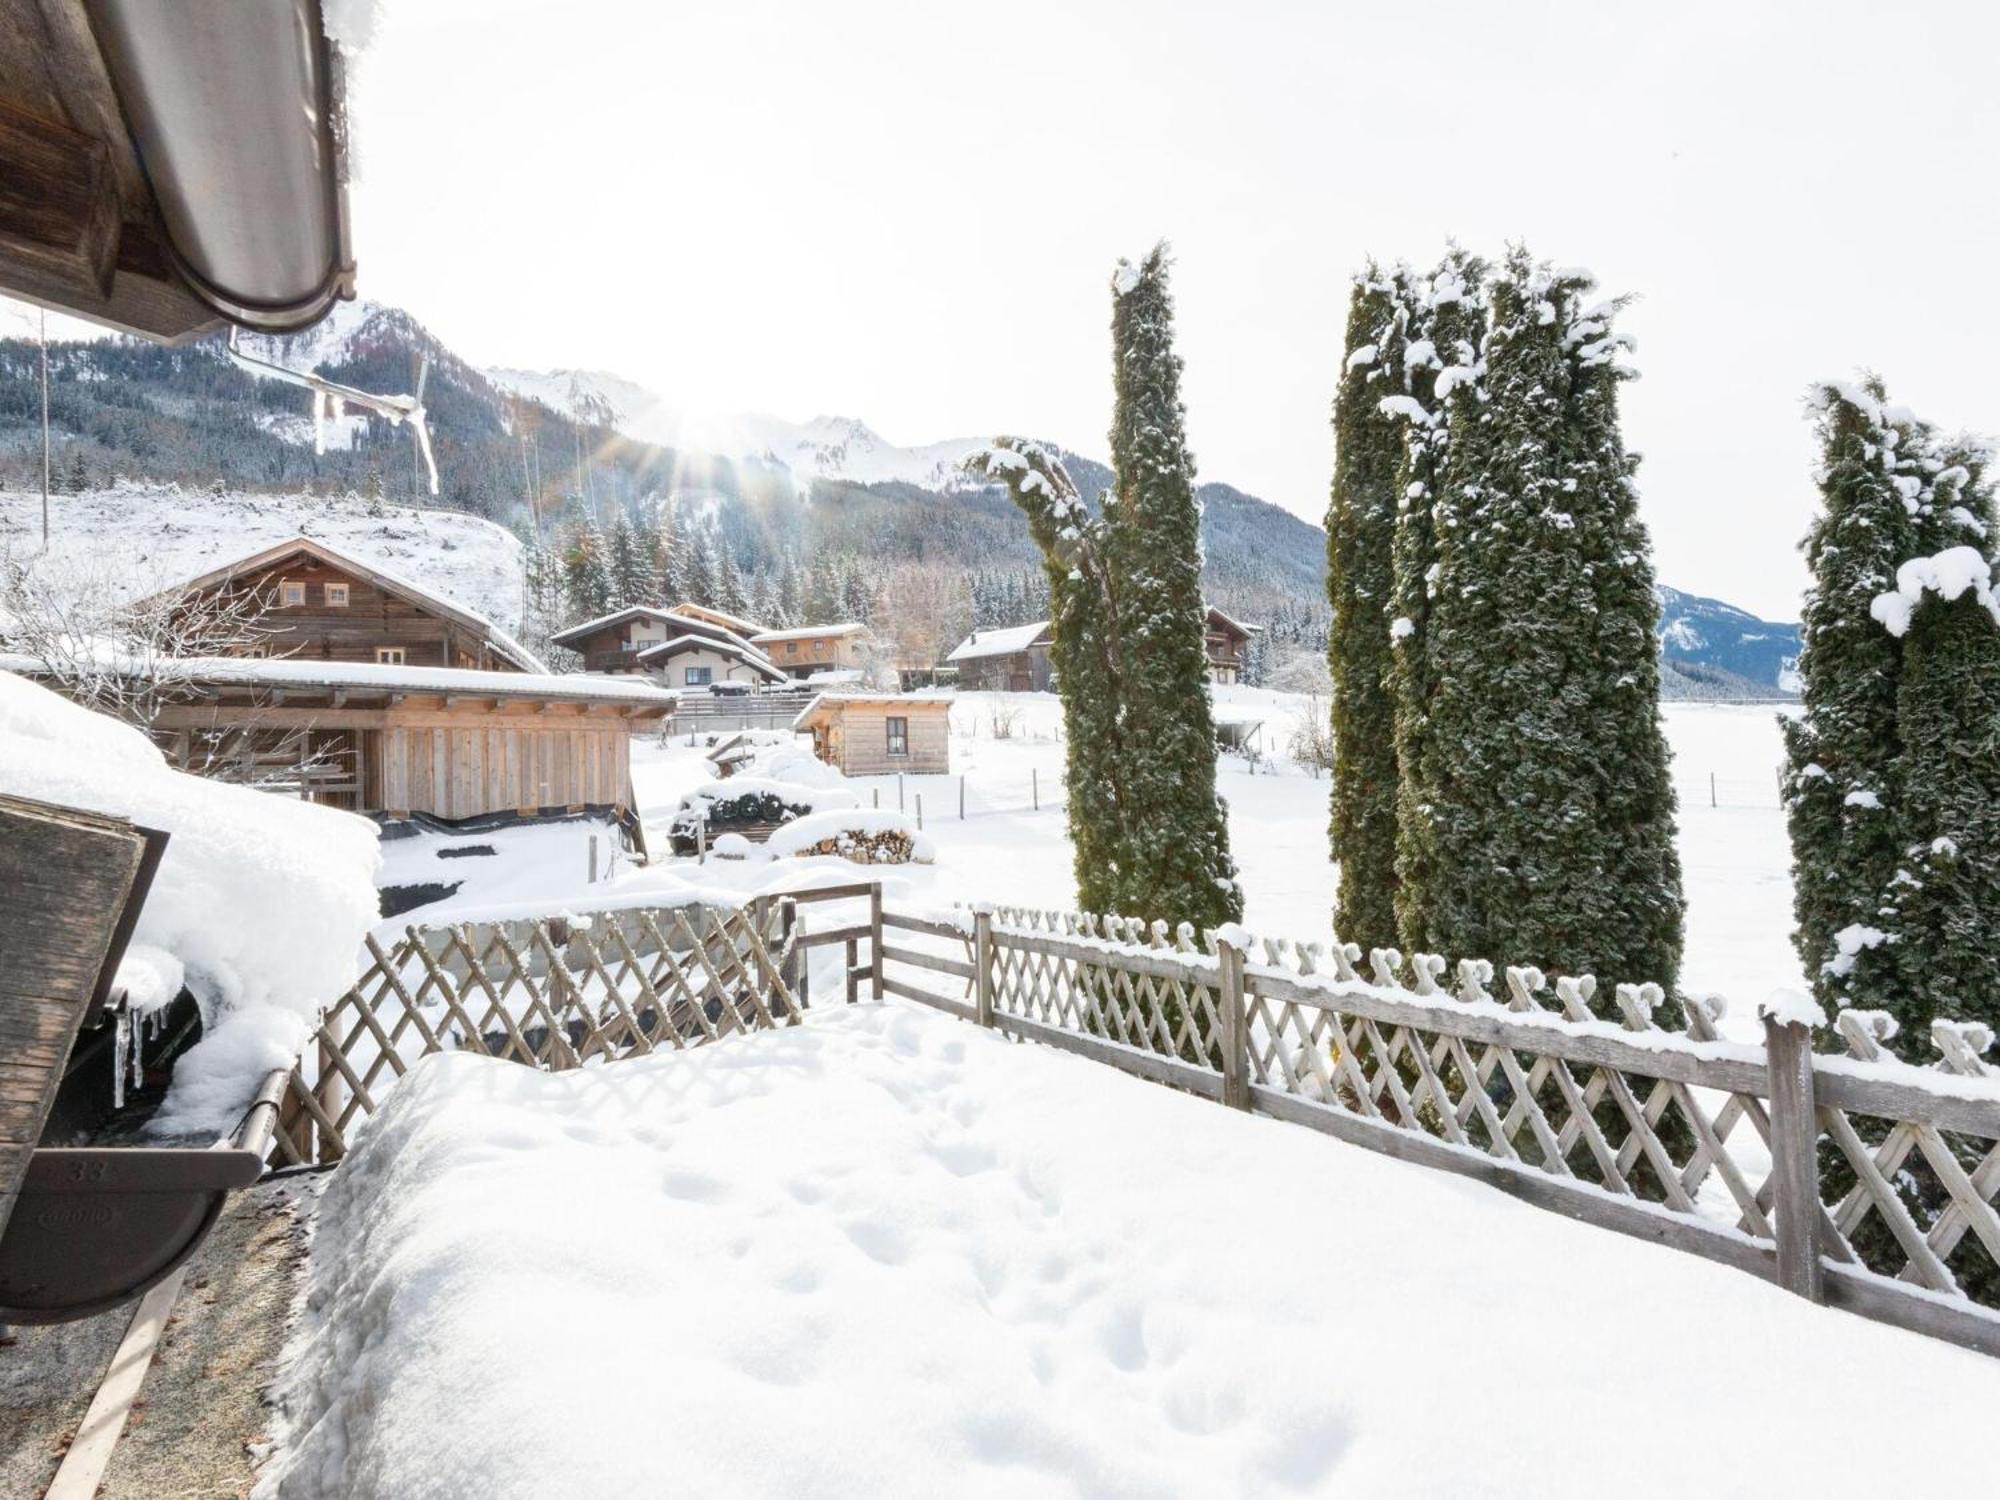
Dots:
pixel 843 448
pixel 1702 637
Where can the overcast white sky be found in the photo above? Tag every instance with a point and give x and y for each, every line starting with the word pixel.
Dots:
pixel 909 212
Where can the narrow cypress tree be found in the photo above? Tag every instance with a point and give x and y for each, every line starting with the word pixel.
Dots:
pixel 1443 390
pixel 1085 651
pixel 1154 523
pixel 1149 833
pixel 1534 824
pixel 1360 533
pixel 1943 901
pixel 1641 924
pixel 1841 753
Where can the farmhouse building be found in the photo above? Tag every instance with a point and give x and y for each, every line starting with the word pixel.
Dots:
pixel 686 650
pixel 313 603
pixel 1011 660
pixel 352 687
pixel 1015 658
pixel 872 734
pixel 812 649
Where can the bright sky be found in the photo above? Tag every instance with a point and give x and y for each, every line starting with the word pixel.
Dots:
pixel 909 212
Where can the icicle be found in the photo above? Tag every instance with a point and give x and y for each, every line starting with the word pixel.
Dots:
pixel 121 1042
pixel 150 1021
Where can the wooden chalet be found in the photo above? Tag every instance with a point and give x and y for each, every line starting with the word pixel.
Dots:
pixel 356 688
pixel 688 610
pixel 314 603
pixel 872 734
pixel 1015 658
pixel 681 650
pixel 812 649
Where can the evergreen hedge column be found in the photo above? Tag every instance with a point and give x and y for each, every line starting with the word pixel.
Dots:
pixel 1360 533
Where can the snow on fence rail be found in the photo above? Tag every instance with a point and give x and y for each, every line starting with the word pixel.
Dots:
pixel 551 992
pixel 1857 1180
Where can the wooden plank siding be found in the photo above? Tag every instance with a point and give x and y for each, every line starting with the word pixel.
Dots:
pixel 372 619
pixel 857 738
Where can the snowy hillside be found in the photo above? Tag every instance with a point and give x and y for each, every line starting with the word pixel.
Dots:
pixel 823 448
pixel 140 538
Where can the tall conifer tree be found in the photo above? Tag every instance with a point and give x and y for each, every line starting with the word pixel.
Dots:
pixel 1842 753
pixel 1360 534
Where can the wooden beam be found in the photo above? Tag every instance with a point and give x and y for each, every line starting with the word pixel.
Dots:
pixel 59 213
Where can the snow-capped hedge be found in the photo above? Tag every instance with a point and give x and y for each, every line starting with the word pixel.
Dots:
pixel 865 835
pixel 261 902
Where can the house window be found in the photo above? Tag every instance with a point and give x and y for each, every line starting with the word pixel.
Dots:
pixel 336 595
pixel 899 736
pixel 698 676
pixel 791 648
pixel 390 656
pixel 291 593
pixel 819 648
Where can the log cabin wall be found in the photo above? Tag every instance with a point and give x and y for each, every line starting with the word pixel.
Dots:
pixel 373 620
pixel 856 739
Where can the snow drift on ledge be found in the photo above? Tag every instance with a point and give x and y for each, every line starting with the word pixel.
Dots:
pixel 261 902
pixel 888 1254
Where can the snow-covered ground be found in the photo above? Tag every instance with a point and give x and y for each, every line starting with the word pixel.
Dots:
pixel 137 539
pixel 1735 851
pixel 888 1254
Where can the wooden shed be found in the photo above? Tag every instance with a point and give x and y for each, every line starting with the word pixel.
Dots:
pixel 394 741
pixel 873 734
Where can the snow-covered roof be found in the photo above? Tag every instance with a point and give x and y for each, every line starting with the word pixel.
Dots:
pixel 616 617
pixel 380 677
pixel 1005 641
pixel 722 642
pixel 688 610
pixel 810 632
pixel 1246 631
pixel 890 700
pixel 383 578
pixel 834 676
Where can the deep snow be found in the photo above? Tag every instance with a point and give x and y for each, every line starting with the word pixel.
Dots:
pixel 886 1253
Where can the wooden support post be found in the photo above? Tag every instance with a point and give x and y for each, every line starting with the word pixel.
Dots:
pixel 875 940
pixel 330 1089
pixel 1796 1207
pixel 853 971
pixel 982 966
pixel 1235 1026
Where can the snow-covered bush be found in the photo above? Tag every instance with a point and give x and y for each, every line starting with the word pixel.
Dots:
pixel 866 836
pixel 263 902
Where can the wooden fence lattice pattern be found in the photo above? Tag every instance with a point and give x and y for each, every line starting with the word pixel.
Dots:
pixel 552 993
pixel 1607 1112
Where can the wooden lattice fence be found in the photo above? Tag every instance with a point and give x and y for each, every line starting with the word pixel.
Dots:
pixel 553 993
pixel 1855 1179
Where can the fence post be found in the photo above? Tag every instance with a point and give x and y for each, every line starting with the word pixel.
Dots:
pixel 1711 790
pixel 791 932
pixel 1035 787
pixel 701 842
pixel 1235 1037
pixel 920 812
pixel 982 964
pixel 1796 1208
pixel 853 962
pixel 593 860
pixel 899 791
pixel 875 939
pixel 961 796
pixel 875 793
pixel 330 1090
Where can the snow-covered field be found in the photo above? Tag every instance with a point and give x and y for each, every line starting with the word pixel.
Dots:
pixel 137 539
pixel 1735 852
pixel 888 1254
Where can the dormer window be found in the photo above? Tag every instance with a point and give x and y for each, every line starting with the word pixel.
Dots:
pixel 291 594
pixel 336 596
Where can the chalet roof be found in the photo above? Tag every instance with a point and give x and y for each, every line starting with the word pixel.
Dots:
pixel 825 702
pixel 616 617
pixel 809 632
pixel 1005 641
pixel 364 679
pixel 688 610
pixel 722 641
pixel 1215 615
pixel 382 578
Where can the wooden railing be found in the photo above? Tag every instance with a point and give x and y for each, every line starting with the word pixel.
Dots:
pixel 1855 1180
pixel 552 993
